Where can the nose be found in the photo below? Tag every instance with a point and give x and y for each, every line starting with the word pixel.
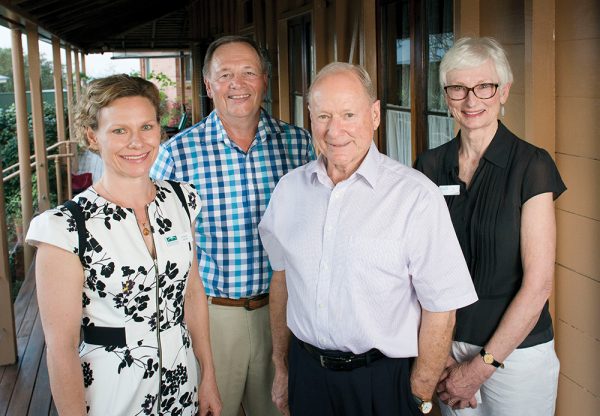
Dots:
pixel 335 127
pixel 471 98
pixel 135 141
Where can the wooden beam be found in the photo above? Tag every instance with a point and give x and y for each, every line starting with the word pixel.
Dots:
pixel 59 106
pixel 181 61
pixel 284 77
pixel 83 70
pixel 319 29
pixel 18 67
pixel 77 76
pixel 368 49
pixel 196 81
pixel 8 338
pixel 37 115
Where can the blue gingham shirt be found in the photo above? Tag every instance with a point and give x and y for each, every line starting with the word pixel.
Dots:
pixel 235 188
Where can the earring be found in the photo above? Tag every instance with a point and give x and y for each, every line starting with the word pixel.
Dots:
pixel 501 111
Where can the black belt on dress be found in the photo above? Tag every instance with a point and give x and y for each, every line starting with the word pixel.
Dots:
pixel 340 360
pixel 105 336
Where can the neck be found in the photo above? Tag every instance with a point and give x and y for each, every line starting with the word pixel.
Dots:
pixel 135 194
pixel 241 131
pixel 474 143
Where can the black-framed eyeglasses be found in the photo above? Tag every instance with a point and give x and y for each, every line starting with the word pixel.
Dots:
pixel 460 92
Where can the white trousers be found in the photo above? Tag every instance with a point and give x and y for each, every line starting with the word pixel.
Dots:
pixel 526 386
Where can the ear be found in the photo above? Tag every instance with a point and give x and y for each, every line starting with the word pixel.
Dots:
pixel 376 114
pixel 504 92
pixel 92 140
pixel 208 88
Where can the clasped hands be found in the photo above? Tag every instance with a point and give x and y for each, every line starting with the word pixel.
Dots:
pixel 460 381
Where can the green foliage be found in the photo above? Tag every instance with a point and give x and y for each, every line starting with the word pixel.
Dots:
pixel 46 74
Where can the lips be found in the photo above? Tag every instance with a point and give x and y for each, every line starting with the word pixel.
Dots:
pixel 472 113
pixel 134 158
pixel 239 97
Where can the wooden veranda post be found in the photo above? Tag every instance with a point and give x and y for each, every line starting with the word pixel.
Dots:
pixel 70 109
pixel 8 338
pixel 22 139
pixel 77 75
pixel 59 104
pixel 182 77
pixel 37 113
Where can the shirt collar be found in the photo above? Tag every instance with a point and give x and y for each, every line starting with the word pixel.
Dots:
pixel 267 127
pixel 368 169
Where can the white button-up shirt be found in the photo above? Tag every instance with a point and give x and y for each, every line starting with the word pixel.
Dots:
pixel 362 257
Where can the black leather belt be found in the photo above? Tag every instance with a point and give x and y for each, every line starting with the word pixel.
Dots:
pixel 339 360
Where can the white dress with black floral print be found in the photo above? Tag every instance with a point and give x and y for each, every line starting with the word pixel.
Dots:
pixel 126 289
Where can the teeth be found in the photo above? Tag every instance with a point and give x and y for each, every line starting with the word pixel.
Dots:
pixel 135 157
pixel 239 96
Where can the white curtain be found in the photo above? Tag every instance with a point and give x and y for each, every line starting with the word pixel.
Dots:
pixel 441 130
pixel 397 133
pixel 299 110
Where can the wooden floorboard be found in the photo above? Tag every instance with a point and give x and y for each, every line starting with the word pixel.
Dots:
pixel 41 397
pixel 24 386
pixel 22 393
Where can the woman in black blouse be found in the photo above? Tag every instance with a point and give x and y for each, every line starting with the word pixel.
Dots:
pixel 500 191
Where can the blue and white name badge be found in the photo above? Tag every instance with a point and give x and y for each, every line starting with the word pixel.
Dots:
pixel 173 240
pixel 448 190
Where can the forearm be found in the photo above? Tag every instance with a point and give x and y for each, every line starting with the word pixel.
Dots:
pixel 277 308
pixel 518 321
pixel 66 380
pixel 196 318
pixel 435 337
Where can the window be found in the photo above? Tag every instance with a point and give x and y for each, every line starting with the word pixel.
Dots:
pixel 414 36
pixel 300 65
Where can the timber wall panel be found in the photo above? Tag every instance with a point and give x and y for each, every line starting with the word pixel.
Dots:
pixel 578 211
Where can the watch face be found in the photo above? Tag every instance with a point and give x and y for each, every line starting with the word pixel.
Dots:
pixel 488 358
pixel 426 407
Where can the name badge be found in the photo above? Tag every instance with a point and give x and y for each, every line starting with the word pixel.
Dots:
pixel 450 189
pixel 173 240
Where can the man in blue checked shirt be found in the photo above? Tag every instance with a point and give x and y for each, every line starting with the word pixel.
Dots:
pixel 234 158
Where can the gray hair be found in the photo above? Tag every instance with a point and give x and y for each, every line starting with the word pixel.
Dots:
pixel 338 67
pixel 472 52
pixel 224 40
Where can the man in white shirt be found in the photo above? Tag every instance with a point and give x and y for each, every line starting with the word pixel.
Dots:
pixel 368 272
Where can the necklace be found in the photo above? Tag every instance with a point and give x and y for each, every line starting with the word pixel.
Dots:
pixel 142 224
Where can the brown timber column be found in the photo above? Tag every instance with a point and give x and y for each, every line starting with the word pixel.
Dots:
pixel 22 139
pixel 37 112
pixel 60 118
pixel 77 75
pixel 70 111
pixel 8 338
pixel 182 77
pixel 83 70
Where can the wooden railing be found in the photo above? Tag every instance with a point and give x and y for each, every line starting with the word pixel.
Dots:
pixel 66 151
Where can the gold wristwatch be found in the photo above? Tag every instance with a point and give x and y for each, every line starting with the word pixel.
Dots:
pixel 424 406
pixel 489 359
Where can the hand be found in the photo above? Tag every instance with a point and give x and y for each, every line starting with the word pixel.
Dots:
pixel 462 382
pixel 461 404
pixel 209 398
pixel 279 392
pixel 450 362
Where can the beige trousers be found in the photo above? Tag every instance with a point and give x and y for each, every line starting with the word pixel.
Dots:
pixel 241 347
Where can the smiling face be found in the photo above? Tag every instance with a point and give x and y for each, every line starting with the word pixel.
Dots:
pixel 236 82
pixel 475 114
pixel 127 137
pixel 343 120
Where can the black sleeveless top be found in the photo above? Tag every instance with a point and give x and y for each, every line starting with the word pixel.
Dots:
pixel 487 221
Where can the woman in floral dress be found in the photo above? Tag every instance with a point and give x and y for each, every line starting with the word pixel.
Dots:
pixel 130 281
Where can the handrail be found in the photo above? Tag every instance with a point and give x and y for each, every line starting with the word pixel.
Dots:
pixel 32 158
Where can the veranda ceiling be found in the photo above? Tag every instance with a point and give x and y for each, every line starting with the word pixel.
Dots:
pixel 107 25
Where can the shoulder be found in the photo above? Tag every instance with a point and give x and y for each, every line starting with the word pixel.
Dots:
pixel 406 181
pixel 433 159
pixel 284 128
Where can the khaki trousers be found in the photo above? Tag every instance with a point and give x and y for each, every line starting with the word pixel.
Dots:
pixel 241 347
